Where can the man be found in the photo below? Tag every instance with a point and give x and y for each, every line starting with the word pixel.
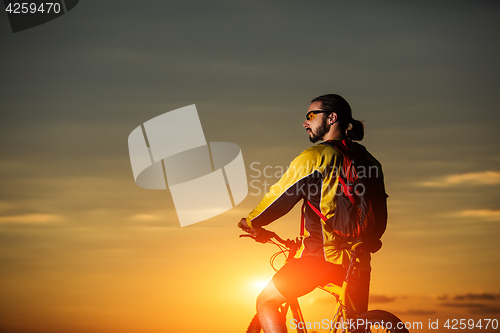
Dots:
pixel 313 177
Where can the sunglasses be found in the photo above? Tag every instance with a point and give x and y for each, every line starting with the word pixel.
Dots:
pixel 313 114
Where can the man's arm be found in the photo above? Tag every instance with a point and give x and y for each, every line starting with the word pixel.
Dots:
pixel 291 188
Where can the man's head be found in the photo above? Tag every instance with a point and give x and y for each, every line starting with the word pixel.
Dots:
pixel 317 122
pixel 330 117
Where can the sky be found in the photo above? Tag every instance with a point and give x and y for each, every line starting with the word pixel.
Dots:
pixel 84 249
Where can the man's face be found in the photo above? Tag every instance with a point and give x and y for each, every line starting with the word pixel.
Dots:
pixel 316 127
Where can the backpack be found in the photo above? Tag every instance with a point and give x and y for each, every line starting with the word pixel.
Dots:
pixel 361 211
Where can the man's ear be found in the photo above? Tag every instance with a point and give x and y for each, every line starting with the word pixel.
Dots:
pixel 333 118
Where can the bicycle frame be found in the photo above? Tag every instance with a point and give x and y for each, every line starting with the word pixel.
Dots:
pixel 341 317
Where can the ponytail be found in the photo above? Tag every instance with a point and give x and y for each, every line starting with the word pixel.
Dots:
pixel 356 130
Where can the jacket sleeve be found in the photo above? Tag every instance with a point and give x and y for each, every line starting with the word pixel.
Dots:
pixel 290 189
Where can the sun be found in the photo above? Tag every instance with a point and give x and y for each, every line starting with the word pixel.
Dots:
pixel 260 283
pixel 255 285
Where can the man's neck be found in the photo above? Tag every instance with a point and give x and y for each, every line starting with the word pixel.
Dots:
pixel 334 134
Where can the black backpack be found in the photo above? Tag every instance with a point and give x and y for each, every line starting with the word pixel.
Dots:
pixel 361 211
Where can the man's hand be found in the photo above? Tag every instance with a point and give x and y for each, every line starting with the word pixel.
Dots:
pixel 259 234
pixel 246 228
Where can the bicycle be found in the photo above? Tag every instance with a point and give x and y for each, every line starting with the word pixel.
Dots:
pixel 346 318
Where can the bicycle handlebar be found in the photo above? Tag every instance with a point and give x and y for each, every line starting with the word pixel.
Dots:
pixel 265 236
pixel 262 235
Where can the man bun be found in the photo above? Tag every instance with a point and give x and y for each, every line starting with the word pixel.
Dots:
pixel 356 130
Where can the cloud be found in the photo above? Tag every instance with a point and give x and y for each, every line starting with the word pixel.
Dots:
pixel 146 217
pixel 478 296
pixel 471 178
pixel 488 214
pixel 477 303
pixel 486 310
pixel 30 218
pixel 463 305
pixel 419 312
pixel 476 308
pixel 381 299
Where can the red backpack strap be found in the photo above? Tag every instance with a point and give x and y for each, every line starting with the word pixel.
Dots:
pixel 317 211
pixel 347 191
pixel 341 146
pixel 303 216
pixel 302 219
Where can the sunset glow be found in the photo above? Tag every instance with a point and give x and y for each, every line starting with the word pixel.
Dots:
pixel 83 249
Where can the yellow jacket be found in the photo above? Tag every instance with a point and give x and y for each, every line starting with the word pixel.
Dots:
pixel 312 176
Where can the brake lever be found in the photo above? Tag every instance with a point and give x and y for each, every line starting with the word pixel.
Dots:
pixel 246 235
pixel 263 236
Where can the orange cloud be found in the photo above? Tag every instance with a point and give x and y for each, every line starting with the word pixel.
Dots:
pixel 30 218
pixel 146 217
pixel 471 178
pixel 471 296
pixel 381 299
pixel 489 214
pixel 477 303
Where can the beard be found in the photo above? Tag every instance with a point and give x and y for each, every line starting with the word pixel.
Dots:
pixel 320 132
